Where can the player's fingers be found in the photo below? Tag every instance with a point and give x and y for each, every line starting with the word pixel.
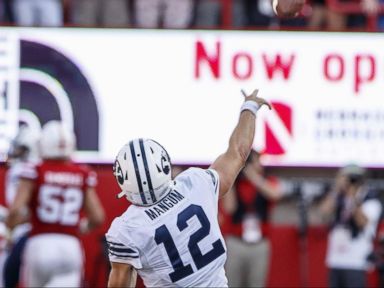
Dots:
pixel 254 93
pixel 267 103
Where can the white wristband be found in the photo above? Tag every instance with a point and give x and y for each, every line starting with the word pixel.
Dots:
pixel 251 106
pixel 274 5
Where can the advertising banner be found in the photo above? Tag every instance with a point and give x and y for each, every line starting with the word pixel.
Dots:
pixel 182 89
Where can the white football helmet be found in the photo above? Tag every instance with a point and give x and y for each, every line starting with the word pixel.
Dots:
pixel 57 140
pixel 143 171
pixel 24 146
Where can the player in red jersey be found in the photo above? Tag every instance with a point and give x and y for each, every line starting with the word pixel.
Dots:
pixel 55 191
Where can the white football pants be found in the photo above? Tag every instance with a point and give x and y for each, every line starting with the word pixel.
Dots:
pixel 52 260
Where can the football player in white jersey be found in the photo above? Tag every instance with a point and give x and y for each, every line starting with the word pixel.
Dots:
pixel 23 150
pixel 171 236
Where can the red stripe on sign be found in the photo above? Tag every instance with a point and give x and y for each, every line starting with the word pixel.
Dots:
pixel 273 146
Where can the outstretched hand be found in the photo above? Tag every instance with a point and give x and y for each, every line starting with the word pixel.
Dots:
pixel 258 100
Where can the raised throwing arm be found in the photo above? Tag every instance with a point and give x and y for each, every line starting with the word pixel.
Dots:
pixel 229 164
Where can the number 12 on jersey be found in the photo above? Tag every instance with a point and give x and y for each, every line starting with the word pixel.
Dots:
pixel 162 236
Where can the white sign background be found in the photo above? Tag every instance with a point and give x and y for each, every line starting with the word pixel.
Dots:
pixel 146 85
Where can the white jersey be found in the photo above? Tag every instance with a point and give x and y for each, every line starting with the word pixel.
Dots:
pixel 13 175
pixel 176 242
pixel 12 181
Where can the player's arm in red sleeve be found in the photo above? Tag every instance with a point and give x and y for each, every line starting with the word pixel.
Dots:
pixel 18 210
pixel 229 164
pixel 122 275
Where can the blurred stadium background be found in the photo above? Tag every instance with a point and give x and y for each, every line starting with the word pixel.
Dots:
pixel 114 77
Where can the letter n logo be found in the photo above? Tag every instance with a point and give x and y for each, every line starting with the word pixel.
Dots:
pixel 274 131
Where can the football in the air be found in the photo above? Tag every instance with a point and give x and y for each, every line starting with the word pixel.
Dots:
pixel 287 8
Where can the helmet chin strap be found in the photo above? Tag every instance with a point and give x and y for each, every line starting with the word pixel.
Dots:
pixel 121 194
pixel 167 187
